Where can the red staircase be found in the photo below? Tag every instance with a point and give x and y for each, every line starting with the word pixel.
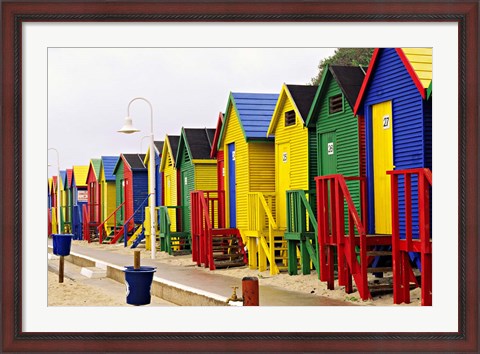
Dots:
pixel 114 233
pixel 403 245
pixel 341 229
pixel 212 244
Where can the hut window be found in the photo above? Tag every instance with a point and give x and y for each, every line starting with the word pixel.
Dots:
pixel 336 104
pixel 290 118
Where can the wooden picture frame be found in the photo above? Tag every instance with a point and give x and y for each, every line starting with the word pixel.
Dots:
pixel 14 13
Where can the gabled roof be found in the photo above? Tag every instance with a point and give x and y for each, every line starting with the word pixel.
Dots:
pixel 108 165
pixel 94 167
pixel 170 148
pixel 301 97
pixel 408 65
pixel 158 151
pixel 135 161
pixel 68 178
pixel 197 141
pixel 348 78
pixel 213 151
pixel 80 175
pixel 254 111
pixel 62 179
pixel 54 183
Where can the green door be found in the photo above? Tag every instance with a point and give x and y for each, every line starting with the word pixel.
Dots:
pixel 187 183
pixel 328 154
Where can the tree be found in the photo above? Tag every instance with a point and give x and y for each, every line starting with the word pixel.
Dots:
pixel 344 56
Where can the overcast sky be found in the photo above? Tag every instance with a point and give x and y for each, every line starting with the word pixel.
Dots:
pixel 89 90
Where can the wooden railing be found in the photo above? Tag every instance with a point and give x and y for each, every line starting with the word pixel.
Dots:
pixel 86 223
pixel 260 220
pixel 302 230
pixel 207 212
pixel 126 229
pixel 404 242
pixel 102 227
pixel 332 197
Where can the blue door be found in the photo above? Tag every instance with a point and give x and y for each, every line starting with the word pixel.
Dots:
pixel 232 185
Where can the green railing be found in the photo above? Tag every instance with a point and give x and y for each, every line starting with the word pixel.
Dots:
pixel 301 231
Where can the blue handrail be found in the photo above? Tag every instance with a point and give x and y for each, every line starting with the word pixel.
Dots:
pixel 125 228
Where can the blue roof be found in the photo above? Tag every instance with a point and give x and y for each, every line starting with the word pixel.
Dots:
pixel 63 175
pixel 109 163
pixel 255 112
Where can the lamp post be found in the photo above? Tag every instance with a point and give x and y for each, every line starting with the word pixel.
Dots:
pixel 129 129
pixel 58 191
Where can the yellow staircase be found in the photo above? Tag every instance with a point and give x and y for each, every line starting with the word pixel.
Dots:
pixel 264 239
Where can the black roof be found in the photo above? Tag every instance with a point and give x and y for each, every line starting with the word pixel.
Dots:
pixel 350 79
pixel 200 141
pixel 159 146
pixel 135 160
pixel 303 96
pixel 174 140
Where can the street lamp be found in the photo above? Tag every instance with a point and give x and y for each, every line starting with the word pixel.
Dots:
pixel 129 129
pixel 59 229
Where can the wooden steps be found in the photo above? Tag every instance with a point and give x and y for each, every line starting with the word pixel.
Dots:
pixel 227 249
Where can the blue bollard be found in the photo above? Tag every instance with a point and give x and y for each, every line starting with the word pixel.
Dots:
pixel 138 283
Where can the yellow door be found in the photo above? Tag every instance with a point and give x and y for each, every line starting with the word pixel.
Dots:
pixel 382 127
pixel 283 182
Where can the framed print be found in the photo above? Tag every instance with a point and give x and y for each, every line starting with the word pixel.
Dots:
pixel 31 29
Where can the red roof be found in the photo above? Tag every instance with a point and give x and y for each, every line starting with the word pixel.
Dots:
pixel 213 152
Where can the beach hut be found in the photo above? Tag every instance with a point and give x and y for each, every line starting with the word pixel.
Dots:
pixel 287 126
pixel 67 187
pixel 197 170
pixel 336 142
pixel 80 198
pixel 158 174
pixel 131 192
pixel 92 211
pixel 250 175
pixel 107 185
pixel 170 179
pixel 138 237
pixel 63 200
pixel 395 99
pixel 52 202
pixel 398 124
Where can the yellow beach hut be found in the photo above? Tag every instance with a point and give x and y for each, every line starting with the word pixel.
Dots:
pixel 250 175
pixel 291 152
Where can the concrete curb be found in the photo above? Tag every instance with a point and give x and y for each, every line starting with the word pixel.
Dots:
pixel 178 294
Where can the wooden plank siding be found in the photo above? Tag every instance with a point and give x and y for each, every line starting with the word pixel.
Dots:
pixel 297 137
pixel 234 134
pixel 119 190
pixel 345 126
pixel 170 188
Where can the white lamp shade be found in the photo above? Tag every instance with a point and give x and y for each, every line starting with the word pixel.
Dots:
pixel 128 127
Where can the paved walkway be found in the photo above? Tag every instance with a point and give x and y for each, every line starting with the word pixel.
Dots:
pixel 208 284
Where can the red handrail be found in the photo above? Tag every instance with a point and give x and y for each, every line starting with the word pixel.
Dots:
pixel 331 233
pixel 100 227
pixel 86 222
pixel 203 220
pixel 401 246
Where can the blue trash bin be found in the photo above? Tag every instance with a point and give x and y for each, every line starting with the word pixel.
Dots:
pixel 138 283
pixel 62 244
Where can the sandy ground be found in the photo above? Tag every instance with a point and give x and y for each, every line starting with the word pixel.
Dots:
pixel 302 283
pixel 78 290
